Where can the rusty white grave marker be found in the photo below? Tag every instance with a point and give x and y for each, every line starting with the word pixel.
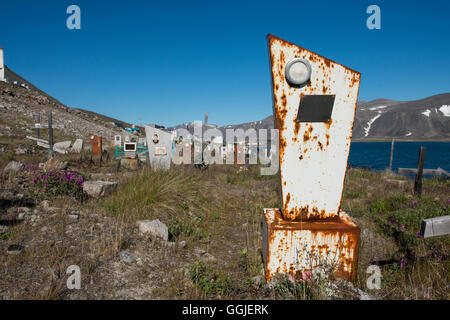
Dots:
pixel 314 101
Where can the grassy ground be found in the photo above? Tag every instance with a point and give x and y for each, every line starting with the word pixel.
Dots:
pixel 217 214
pixel 412 267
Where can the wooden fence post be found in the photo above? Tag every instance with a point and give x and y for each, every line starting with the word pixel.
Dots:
pixel 38 120
pixel 50 133
pixel 392 155
pixel 418 180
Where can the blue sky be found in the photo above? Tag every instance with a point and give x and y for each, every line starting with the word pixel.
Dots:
pixel 168 62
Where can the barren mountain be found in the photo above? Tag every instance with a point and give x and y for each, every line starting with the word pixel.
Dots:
pixel 382 119
pixel 427 119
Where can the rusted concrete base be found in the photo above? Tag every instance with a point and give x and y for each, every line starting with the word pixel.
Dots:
pixel 300 246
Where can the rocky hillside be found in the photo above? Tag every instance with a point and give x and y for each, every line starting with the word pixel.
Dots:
pixel 19 104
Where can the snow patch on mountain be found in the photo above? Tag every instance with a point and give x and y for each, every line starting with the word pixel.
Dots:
pixel 369 124
pixel 445 109
pixel 377 108
pixel 426 113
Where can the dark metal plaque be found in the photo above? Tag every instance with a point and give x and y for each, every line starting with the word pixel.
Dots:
pixel 315 108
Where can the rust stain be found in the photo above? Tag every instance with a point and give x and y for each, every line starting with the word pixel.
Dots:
pixel 283 101
pixel 272 38
pixel 96 144
pixel 330 239
pixel 306 136
pixel 282 147
pixel 296 127
pixel 354 80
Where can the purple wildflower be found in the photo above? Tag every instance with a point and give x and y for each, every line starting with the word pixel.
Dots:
pixel 412 203
pixel 402 262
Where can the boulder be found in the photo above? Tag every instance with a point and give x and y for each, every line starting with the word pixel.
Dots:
pixel 208 258
pixel 131 164
pixel 15 249
pixel 45 204
pixel 14 166
pixel 54 164
pixel 154 229
pixel 61 151
pixel 258 280
pixel 20 150
pixel 63 145
pixel 397 183
pixel 98 188
pixel 127 257
pixel 77 146
pixel 74 216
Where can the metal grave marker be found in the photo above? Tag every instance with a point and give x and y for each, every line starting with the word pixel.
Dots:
pixel 314 101
pixel 118 140
pixel 96 144
pixel 50 126
pixel 130 149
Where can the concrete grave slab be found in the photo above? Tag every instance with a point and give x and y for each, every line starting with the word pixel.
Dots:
pixel 159 145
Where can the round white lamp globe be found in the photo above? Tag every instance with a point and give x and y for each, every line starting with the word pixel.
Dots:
pixel 298 72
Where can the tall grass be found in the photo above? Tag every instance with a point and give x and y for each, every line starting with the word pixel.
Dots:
pixel 157 194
